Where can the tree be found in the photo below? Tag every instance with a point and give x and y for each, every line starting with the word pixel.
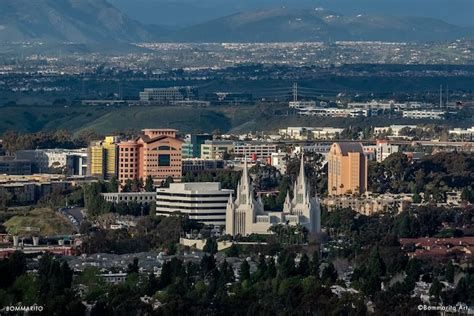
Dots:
pixel 329 275
pixel 304 266
pixel 127 187
pixel 149 184
pixel 244 271
pixel 113 185
pixel 211 246
pixel 450 272
pixel 436 289
pixel 133 267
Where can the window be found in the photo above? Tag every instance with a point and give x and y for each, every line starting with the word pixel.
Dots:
pixel 164 160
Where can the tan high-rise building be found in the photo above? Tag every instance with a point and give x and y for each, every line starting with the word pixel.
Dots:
pixel 102 161
pixel 155 153
pixel 347 169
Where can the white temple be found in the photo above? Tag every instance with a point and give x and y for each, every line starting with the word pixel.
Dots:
pixel 245 215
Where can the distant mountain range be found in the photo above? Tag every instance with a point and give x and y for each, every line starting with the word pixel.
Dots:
pixel 79 21
pixel 286 24
pixel 97 21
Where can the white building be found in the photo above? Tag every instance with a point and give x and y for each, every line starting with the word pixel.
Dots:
pixel 204 202
pixel 254 151
pixel 335 112
pixel 424 114
pixel 383 150
pixel 393 130
pixel 127 197
pixel 54 160
pixel 297 133
pixel 326 132
pixel 167 95
pixel 278 160
pixel 246 215
pixel 301 104
pixel 464 134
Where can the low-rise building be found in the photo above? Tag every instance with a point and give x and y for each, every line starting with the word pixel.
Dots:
pixel 383 149
pixel 191 165
pixel 424 114
pixel 326 132
pixel 204 202
pixel 216 149
pixel 462 134
pixel 56 160
pixel 254 151
pixel 143 198
pixel 392 130
pixel 368 204
pixel 10 166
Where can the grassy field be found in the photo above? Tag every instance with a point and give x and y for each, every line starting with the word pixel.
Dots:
pixel 48 221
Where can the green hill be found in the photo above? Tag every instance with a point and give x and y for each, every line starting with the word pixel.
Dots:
pixel 49 222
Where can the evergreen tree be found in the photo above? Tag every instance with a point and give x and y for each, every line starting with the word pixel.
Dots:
pixel 244 271
pixel 149 184
pixel 304 266
pixel 211 246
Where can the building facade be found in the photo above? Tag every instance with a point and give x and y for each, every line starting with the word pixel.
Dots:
pixel 56 160
pixel 254 151
pixel 213 149
pixel 143 198
pixel 204 202
pixel 246 215
pixel 347 169
pixel 103 156
pixel 155 153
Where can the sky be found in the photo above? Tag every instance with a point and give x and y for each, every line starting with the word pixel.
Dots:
pixel 187 12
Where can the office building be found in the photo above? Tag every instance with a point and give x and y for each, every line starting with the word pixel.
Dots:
pixel 347 169
pixel 216 149
pixel 69 161
pixel 192 165
pixel 155 153
pixel 204 202
pixel 143 198
pixel 254 151
pixel 168 95
pixel 103 157
pixel 424 114
pixel 383 149
pixel 246 215
pixel 11 166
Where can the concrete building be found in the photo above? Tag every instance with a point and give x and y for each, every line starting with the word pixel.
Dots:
pixel 335 112
pixel 143 198
pixel 155 153
pixel 347 169
pixel 204 202
pixel 192 145
pixel 11 166
pixel 326 132
pixel 301 104
pixel 56 160
pixel 167 95
pixel 296 133
pixel 383 149
pixel 254 151
pixel 368 204
pixel 424 114
pixel 216 149
pixel 392 130
pixel 190 165
pixel 103 157
pixel 462 134
pixel 246 215
pixel 24 193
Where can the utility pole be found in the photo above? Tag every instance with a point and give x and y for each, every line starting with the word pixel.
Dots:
pixel 441 96
pixel 295 92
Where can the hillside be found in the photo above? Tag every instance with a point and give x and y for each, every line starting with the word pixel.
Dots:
pixel 289 25
pixel 81 21
pixel 49 222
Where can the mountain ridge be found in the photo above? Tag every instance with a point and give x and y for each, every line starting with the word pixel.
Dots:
pixel 98 21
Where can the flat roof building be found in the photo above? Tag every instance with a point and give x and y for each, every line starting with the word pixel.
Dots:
pixel 204 202
pixel 347 169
